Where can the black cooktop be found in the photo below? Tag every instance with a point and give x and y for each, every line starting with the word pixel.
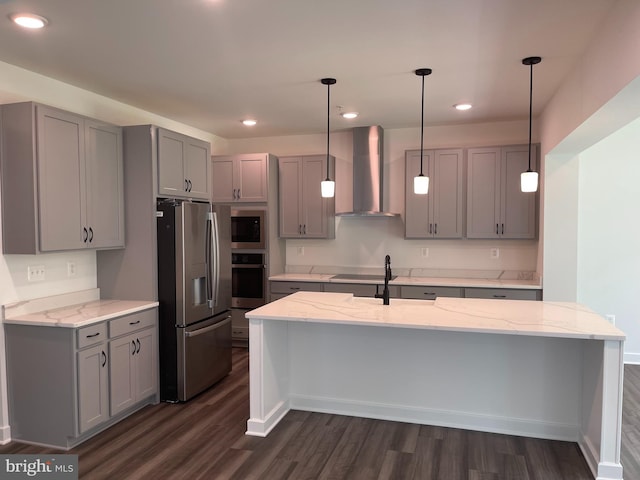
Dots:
pixel 361 276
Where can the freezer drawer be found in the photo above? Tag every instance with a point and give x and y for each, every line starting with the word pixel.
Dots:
pixel 204 355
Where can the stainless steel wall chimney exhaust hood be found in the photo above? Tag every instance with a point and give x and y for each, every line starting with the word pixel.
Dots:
pixel 368 173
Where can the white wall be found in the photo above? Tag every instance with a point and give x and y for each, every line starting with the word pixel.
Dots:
pixel 596 100
pixel 609 232
pixel 365 241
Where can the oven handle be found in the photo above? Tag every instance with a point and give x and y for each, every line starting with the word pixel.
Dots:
pixel 248 265
pixel 208 329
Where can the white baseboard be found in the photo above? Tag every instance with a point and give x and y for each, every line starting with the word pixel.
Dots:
pixel 632 358
pixel 262 427
pixel 442 418
pixel 5 434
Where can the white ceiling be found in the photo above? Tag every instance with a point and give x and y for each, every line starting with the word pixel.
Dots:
pixel 211 63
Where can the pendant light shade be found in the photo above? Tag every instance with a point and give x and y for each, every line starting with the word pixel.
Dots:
pixel 328 186
pixel 421 182
pixel 529 179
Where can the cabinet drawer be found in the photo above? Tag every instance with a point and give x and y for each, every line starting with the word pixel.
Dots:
pixel 503 293
pixel 91 335
pixel 293 287
pixel 361 289
pixel 430 293
pixel 131 323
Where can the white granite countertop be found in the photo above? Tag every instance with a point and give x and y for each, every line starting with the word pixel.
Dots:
pixel 512 317
pixel 414 281
pixel 78 309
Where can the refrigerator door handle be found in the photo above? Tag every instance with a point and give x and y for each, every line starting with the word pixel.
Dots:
pixel 213 256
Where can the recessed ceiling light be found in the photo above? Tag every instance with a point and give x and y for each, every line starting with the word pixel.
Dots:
pixel 249 122
pixel 28 20
pixel 349 115
pixel 463 106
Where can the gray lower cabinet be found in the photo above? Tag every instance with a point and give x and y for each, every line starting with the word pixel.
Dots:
pixel 503 293
pixel 430 293
pixel 80 381
pixel 361 289
pixel 62 181
pixel 282 289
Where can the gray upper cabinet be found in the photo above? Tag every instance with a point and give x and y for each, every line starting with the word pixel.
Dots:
pixel 62 181
pixel 240 178
pixel 438 214
pixel 303 213
pixel 183 166
pixel 496 208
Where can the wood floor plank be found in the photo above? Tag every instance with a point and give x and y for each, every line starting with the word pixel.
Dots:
pixel 205 439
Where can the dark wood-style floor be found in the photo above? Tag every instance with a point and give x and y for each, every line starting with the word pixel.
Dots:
pixel 204 439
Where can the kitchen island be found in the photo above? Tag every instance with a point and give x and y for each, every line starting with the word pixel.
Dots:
pixel 540 369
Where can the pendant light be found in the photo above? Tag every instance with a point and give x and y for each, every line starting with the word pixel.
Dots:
pixel 421 182
pixel 529 179
pixel 328 186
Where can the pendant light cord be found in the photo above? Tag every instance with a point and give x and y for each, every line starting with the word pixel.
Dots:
pixel 530 110
pixel 328 115
pixel 422 127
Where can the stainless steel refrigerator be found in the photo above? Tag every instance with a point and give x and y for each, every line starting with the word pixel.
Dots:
pixel 194 292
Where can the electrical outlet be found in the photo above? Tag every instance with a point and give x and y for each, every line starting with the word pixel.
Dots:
pixel 494 253
pixel 300 250
pixel 71 269
pixel 35 273
pixel 611 318
pixel 424 252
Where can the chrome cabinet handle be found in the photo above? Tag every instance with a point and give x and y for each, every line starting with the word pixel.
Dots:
pixel 90 234
pixel 138 342
pixel 503 229
pixel 430 228
pixel 93 335
pixel 133 343
pixel 104 356
pixel 299 229
pixel 304 229
pixel 496 229
pixel 435 228
pixel 134 323
pixel 186 185
pixel 86 234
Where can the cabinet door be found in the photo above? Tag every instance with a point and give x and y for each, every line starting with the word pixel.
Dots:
pixel 314 207
pixel 290 183
pixel 222 190
pixel 251 178
pixel 417 220
pixel 105 194
pixel 171 154
pixel 483 192
pixel 197 160
pixel 518 208
pixel 61 180
pixel 146 364
pixel 93 394
pixel 446 213
pixel 121 366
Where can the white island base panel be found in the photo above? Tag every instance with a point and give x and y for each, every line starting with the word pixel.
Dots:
pixel 564 388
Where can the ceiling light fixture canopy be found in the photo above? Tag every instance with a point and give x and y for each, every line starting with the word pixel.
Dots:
pixel 529 179
pixel 249 122
pixel 328 186
pixel 463 106
pixel 29 20
pixel 349 115
pixel 421 182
